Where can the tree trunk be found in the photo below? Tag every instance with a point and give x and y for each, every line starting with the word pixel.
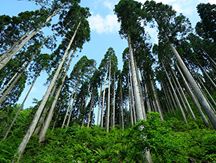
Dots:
pixel 41 121
pixel 17 78
pixel 51 111
pixel 175 95
pixel 122 113
pixel 130 106
pixel 140 114
pixel 108 106
pixel 26 138
pixel 146 92
pixel 92 96
pixel 72 106
pixel 11 48
pixel 70 102
pixel 137 96
pixel 99 105
pixel 204 71
pixel 156 98
pixel 201 82
pixel 132 95
pixel 168 97
pixel 204 103
pixel 86 98
pixel 103 102
pixel 177 89
pixel 114 101
pixel 57 117
pixel 12 78
pixel 21 106
pixel 182 92
pixel 193 97
pixel 15 50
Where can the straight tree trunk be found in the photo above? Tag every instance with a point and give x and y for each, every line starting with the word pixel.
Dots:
pixel 41 121
pixel 130 106
pixel 156 98
pixel 132 98
pixel 175 95
pixel 137 96
pixel 13 77
pixel 57 117
pixel 51 111
pixel 99 105
pixel 177 89
pixel 201 82
pixel 146 92
pixel 190 92
pixel 140 114
pixel 87 98
pixel 26 138
pixel 108 106
pixel 70 102
pixel 11 48
pixel 182 92
pixel 20 74
pixel 6 134
pixel 103 102
pixel 92 96
pixel 114 101
pixel 122 113
pixel 204 71
pixel 167 98
pixel 72 106
pixel 204 103
pixel 18 47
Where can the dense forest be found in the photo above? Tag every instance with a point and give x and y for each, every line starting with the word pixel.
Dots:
pixel 160 107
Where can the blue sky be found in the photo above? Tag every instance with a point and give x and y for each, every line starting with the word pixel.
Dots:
pixel 104 31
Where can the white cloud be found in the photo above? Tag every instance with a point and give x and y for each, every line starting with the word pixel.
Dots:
pixel 179 8
pixel 109 5
pixel 211 1
pixel 109 24
pixel 163 1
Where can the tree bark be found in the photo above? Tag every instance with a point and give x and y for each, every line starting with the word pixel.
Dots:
pixel 137 96
pixel 57 117
pixel 193 97
pixel 51 111
pixel 72 107
pixel 17 78
pixel 11 48
pixel 6 134
pixel 177 89
pixel 114 101
pixel 99 105
pixel 103 102
pixel 207 108
pixel 8 58
pixel 175 95
pixel 108 105
pixel 70 102
pixel 130 106
pixel 156 98
pixel 179 85
pixel 201 82
pixel 132 95
pixel 92 96
pixel 13 78
pixel 26 138
pixel 86 98
pixel 122 113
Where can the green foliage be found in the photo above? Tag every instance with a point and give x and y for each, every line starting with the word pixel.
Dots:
pixel 168 141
